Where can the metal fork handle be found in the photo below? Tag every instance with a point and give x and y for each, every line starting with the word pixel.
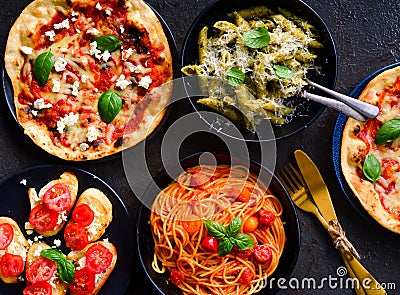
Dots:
pixel 366 109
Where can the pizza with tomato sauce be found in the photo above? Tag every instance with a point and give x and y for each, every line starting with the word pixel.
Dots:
pixel 90 78
pixel 370 151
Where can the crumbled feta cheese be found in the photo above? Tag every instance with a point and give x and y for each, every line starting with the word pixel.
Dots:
pixel 98 6
pixel 96 90
pixel 93 31
pixel 145 82
pixel 30 242
pixel 63 50
pixel 60 64
pixel 83 146
pixel 74 19
pixel 34 113
pixel 62 217
pixel 122 83
pixel 51 34
pixel 29 232
pixel 56 86
pixel 106 55
pixel 39 104
pixel 26 49
pixel 93 50
pixel 92 133
pixel 28 225
pixel 98 278
pixel 84 60
pixel 75 88
pixel 108 12
pixel 135 69
pixel 122 29
pixel 57 243
pixel 81 263
pixel 37 251
pixel 74 13
pixel 23 181
pixel 105 240
pixel 84 78
pixel 68 120
pixel 126 53
pixel 21 278
pixel 62 25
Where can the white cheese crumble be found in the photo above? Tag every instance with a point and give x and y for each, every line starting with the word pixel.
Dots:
pixel 23 181
pixel 62 216
pixel 108 12
pixel 106 55
pixel 51 34
pixel 145 82
pixel 92 133
pixel 26 49
pixel 60 64
pixel 63 50
pixel 28 225
pixel 37 251
pixel 122 83
pixel 56 86
pixel 93 31
pixel 34 113
pixel 126 53
pixel 105 240
pixel 57 243
pixel 39 104
pixel 81 263
pixel 75 88
pixel 98 6
pixel 83 146
pixel 93 49
pixel 74 13
pixel 122 29
pixel 68 120
pixel 62 25
pixel 135 69
pixel 84 78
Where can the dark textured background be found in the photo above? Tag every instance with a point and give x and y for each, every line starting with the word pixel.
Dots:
pixel 366 35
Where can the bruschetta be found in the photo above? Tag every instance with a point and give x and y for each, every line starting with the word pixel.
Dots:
pixel 13 250
pixel 93 266
pixel 51 206
pixel 90 218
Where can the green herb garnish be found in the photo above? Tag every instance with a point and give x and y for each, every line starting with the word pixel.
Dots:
pixel 372 168
pixel 235 77
pixel 283 72
pixel 107 42
pixel 109 105
pixel 257 38
pixel 388 132
pixel 65 268
pixel 42 67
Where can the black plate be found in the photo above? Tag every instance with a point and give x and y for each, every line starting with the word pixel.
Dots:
pixel 15 203
pixel 337 143
pixel 219 9
pixel 146 244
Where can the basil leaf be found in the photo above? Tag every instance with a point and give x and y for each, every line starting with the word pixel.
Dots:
pixel 372 168
pixel 53 254
pixel 215 229
pixel 107 42
pixel 109 105
pixel 257 38
pixel 388 132
pixel 283 72
pixel 234 226
pixel 244 242
pixel 65 268
pixel 42 67
pixel 235 77
pixel 224 247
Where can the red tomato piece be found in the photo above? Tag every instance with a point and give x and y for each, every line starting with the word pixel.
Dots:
pixel 76 237
pixel 176 277
pixel 40 288
pixel 40 270
pixel 266 217
pixel 83 215
pixel 6 235
pixel 263 253
pixel 84 282
pixel 43 218
pixel 251 224
pixel 98 258
pixel 244 254
pixel 58 197
pixel 246 277
pixel 210 243
pixel 193 224
pixel 11 265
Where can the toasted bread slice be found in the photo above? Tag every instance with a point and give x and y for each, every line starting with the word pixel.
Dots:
pixel 78 259
pixel 35 199
pixel 102 209
pixel 18 246
pixel 58 286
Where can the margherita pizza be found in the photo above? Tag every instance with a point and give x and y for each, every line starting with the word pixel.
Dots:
pixel 370 153
pixel 87 75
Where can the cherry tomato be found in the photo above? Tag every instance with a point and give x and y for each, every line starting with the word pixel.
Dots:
pixel 11 265
pixel 263 253
pixel 76 237
pixel 244 254
pixel 251 224
pixel 83 215
pixel 266 217
pixel 245 195
pixel 57 197
pixel 98 258
pixel 176 277
pixel 6 235
pixel 193 224
pixel 210 243
pixel 246 277
pixel 40 270
pixel 39 288
pixel 84 282
pixel 43 218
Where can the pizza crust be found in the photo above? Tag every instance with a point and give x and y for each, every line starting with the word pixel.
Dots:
pixel 353 150
pixel 40 12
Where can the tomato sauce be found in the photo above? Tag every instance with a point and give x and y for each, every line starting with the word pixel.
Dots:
pixel 368 132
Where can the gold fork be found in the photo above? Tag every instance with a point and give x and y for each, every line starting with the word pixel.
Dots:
pixel 292 181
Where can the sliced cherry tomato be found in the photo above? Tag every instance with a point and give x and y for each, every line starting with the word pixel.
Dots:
pixel 83 215
pixel 76 237
pixel 84 282
pixel 244 196
pixel 43 218
pixel 266 217
pixel 40 288
pixel 210 243
pixel 263 253
pixel 6 235
pixel 176 277
pixel 246 277
pixel 40 270
pixel 58 197
pixel 11 265
pixel 251 224
pixel 243 254
pixel 193 224
pixel 98 258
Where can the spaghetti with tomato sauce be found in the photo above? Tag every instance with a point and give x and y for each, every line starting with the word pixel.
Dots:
pixel 187 251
